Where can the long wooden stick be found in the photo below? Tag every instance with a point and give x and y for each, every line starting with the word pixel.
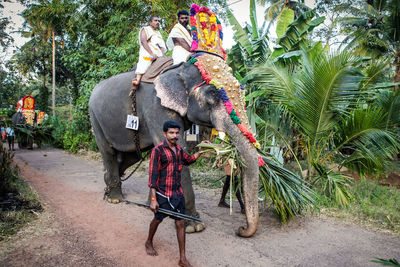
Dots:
pixel 168 212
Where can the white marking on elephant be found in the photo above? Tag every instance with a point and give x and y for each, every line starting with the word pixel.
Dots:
pixel 132 122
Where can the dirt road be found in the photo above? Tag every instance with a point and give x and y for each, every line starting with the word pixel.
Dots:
pixel 79 228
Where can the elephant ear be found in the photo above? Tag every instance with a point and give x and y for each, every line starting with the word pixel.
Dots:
pixel 171 89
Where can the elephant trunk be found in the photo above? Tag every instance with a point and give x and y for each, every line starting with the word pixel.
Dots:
pixel 250 173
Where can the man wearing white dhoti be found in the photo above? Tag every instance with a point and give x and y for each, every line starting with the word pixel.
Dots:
pixel 151 46
pixel 179 39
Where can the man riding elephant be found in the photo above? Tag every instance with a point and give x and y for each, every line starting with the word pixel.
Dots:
pixel 152 46
pixel 179 39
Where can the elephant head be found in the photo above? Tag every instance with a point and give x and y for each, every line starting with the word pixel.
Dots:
pixel 182 89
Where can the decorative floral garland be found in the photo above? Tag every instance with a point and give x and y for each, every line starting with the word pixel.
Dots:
pixel 228 105
pixel 214 22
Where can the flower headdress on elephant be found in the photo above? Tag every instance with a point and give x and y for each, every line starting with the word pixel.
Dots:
pixel 210 59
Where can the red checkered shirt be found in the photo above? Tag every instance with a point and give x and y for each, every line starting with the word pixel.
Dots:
pixel 165 169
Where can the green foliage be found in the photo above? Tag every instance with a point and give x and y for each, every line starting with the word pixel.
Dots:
pixel 285 18
pixel 294 37
pixel 288 193
pixel 8 173
pixel 78 134
pixel 324 98
pixel 11 184
pixel 389 262
pixel 365 143
pixel 333 184
pixel 57 128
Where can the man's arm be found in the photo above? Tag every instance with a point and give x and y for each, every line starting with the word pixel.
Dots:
pixel 153 200
pixel 189 159
pixel 181 42
pixel 153 177
pixel 143 41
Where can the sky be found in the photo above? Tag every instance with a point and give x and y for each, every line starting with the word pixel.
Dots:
pixel 240 9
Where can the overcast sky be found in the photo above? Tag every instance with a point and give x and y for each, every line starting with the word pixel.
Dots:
pixel 239 8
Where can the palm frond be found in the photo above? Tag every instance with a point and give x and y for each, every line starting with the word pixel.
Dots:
pixel 333 184
pixel 389 101
pixel 363 141
pixel 374 73
pixel 274 81
pixel 325 88
pixel 253 19
pixel 272 12
pixel 288 192
pixel 240 34
pixel 385 262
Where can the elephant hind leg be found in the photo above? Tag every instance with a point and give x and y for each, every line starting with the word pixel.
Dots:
pixel 113 191
pixel 127 160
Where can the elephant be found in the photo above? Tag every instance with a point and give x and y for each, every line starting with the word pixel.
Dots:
pixel 24 140
pixel 179 94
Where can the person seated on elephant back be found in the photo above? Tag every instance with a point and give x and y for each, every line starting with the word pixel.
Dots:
pixel 179 39
pixel 152 46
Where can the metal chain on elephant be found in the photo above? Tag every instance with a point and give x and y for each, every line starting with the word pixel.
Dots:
pixel 132 94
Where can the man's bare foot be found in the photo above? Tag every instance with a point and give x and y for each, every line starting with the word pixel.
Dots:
pixel 150 249
pixel 223 204
pixel 184 263
pixel 135 83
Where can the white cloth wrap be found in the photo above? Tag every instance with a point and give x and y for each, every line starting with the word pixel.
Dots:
pixel 157 46
pixel 179 54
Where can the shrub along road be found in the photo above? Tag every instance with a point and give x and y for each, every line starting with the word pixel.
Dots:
pixel 79 228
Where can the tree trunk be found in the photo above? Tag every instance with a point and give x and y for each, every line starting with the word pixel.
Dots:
pixel 53 89
pixel 397 64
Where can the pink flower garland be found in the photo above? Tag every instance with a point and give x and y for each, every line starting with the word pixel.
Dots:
pixel 229 107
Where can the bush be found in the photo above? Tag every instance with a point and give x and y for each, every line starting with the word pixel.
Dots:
pixel 78 134
pixel 17 198
pixel 8 175
pixel 58 127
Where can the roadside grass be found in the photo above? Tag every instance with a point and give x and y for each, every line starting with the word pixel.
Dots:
pixel 372 205
pixel 18 202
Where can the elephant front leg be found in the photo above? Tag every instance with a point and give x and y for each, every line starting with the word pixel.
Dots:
pixel 190 226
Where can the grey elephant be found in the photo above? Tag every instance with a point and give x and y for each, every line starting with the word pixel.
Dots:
pixel 175 95
pixel 24 140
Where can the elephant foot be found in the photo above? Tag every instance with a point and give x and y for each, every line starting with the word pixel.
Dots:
pixel 113 196
pixel 193 227
pixel 113 200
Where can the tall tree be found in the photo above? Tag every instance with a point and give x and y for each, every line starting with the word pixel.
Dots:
pixel 374 30
pixel 54 14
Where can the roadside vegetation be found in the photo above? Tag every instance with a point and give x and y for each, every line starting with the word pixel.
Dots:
pixel 19 204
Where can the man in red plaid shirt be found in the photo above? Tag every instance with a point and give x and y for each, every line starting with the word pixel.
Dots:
pixel 166 163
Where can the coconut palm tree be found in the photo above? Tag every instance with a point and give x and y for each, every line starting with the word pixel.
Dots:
pixel 54 15
pixel 322 97
pixel 374 30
